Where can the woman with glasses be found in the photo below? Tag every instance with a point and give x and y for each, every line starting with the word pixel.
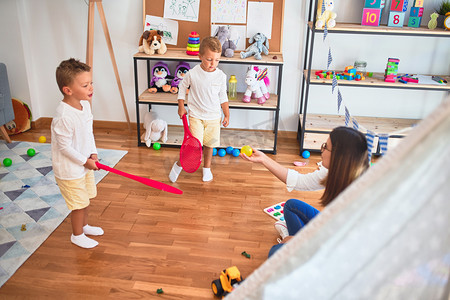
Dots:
pixel 344 158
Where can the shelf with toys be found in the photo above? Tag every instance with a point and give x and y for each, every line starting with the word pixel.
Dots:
pixel 312 127
pixel 264 140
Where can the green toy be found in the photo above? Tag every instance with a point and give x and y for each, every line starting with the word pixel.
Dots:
pixel 156 146
pixel 31 152
pixel 7 162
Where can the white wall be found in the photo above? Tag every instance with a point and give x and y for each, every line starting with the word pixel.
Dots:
pixel 36 35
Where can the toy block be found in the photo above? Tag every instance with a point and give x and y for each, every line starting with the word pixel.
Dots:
pixel 405 6
pixel 371 16
pixel 373 4
pixel 414 22
pixel 416 11
pixel 418 3
pixel 397 5
pixel 396 60
pixel 389 79
pixel 318 72
pixel 396 19
pixel 383 3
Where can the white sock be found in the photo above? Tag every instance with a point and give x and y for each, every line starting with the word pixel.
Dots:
pixel 83 241
pixel 92 230
pixel 175 172
pixel 207 175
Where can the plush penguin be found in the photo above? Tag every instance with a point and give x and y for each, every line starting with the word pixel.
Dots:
pixel 180 72
pixel 160 78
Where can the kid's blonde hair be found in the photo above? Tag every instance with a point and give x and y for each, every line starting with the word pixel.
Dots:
pixel 212 43
pixel 67 70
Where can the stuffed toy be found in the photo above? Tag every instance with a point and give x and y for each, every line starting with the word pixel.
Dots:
pixel 160 78
pixel 257 83
pixel 155 130
pixel 22 120
pixel 151 42
pixel 328 16
pixel 257 47
pixel 223 35
pixel 180 72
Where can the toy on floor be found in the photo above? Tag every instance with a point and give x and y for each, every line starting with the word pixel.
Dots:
pixel 7 162
pixel 180 71
pixel 299 163
pixel 257 83
pixel 160 78
pixel 222 152
pixel 276 211
pixel 42 139
pixel 156 130
pixel 328 16
pixel 260 45
pixel 246 254
pixel 306 154
pixel 214 151
pixel 223 34
pixel 193 45
pixel 31 152
pixel 151 42
pixel 247 150
pixel 229 150
pixel 228 278
pixel 23 227
pixel 159 291
pixel 236 152
pixel 156 146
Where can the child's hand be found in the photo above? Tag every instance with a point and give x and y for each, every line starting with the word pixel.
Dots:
pixel 181 111
pixel 94 157
pixel 90 164
pixel 226 121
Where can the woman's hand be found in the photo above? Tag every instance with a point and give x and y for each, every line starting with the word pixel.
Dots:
pixel 256 157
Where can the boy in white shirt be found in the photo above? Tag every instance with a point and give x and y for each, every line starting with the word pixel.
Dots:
pixel 73 147
pixel 207 96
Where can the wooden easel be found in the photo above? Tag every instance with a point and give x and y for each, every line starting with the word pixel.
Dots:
pixel 90 47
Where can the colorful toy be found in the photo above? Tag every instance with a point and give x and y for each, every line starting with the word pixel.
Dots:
pixel 222 152
pixel 214 151
pixel 259 44
pixel 432 24
pixel 306 154
pixel 156 146
pixel 193 45
pixel 236 152
pixel 22 118
pixel 246 254
pixel 276 211
pixel 247 150
pixel 7 162
pixel 350 73
pixel 191 151
pixel 155 130
pixel 160 76
pixel 151 42
pixel 415 15
pixel 180 71
pixel 328 16
pixel 229 150
pixel 391 69
pixel 223 35
pixel 228 278
pixel 257 83
pixel 371 15
pixel 42 139
pixel 396 19
pixel 31 152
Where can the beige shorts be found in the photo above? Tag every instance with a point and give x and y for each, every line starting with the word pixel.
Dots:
pixel 207 131
pixel 77 192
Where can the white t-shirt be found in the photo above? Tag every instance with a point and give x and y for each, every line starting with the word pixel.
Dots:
pixel 72 140
pixel 207 91
pixel 306 182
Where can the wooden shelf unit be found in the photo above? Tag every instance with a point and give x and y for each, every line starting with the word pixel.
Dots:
pixel 265 140
pixel 311 127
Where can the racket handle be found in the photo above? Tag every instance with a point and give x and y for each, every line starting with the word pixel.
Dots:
pixel 185 123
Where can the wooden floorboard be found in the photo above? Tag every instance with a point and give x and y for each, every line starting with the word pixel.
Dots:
pixel 153 239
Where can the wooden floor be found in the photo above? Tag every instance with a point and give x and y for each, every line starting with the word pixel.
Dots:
pixel 153 239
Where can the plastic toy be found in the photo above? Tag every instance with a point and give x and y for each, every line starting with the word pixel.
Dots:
pixel 42 139
pixel 246 254
pixel 180 71
pixel 160 76
pixel 260 45
pixel 433 22
pixel 159 291
pixel 214 151
pixel 391 69
pixel 276 211
pixel 257 83
pixel 151 42
pixel 7 162
pixel 306 154
pixel 23 227
pixel 31 152
pixel 22 118
pixel 193 45
pixel 156 146
pixel 229 150
pixel 223 35
pixel 222 152
pixel 247 150
pixel 236 152
pixel 328 16
pixel 228 278
pixel 191 151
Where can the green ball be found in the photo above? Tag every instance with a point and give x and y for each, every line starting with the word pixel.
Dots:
pixel 7 162
pixel 31 152
pixel 156 146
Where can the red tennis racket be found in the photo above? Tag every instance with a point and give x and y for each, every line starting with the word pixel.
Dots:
pixel 147 181
pixel 191 150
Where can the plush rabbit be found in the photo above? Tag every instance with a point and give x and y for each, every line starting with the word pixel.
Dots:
pixel 260 45
pixel 156 130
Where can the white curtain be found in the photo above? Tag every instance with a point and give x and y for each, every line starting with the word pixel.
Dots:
pixel 387 236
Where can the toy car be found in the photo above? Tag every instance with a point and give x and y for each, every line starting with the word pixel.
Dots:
pixel 228 278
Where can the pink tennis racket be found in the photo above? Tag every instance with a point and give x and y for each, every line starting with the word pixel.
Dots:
pixel 191 150
pixel 147 181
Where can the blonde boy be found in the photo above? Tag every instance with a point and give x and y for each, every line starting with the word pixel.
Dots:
pixel 207 97
pixel 73 147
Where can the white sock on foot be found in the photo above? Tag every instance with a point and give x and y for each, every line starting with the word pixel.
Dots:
pixel 92 230
pixel 207 175
pixel 175 172
pixel 83 241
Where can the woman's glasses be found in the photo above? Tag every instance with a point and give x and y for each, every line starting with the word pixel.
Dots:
pixel 324 147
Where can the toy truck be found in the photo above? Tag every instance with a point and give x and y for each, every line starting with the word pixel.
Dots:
pixel 228 278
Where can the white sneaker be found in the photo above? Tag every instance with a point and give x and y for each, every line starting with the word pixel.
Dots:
pixel 281 227
pixel 175 172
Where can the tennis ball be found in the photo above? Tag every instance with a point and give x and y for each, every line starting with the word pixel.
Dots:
pixel 247 150
pixel 31 152
pixel 7 162
pixel 42 139
pixel 156 146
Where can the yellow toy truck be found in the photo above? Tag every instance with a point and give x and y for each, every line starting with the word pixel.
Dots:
pixel 224 285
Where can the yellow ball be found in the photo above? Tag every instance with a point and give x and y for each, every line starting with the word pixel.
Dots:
pixel 42 139
pixel 247 150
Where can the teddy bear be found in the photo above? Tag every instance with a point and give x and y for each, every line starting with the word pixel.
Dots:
pixel 257 47
pixel 160 78
pixel 151 42
pixel 155 129
pixel 328 16
pixel 223 35
pixel 180 71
